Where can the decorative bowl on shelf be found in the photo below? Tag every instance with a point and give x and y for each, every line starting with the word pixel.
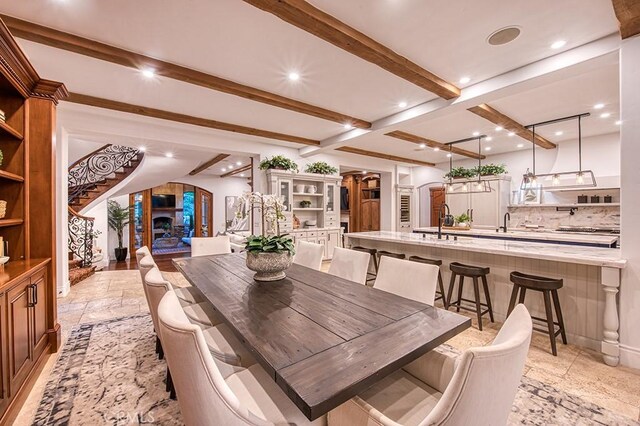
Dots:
pixel 310 222
pixel 4 259
pixel 3 208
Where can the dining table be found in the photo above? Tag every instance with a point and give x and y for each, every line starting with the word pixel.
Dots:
pixel 323 339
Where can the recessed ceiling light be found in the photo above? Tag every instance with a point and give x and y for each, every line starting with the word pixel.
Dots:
pixel 499 129
pixel 559 133
pixel 348 126
pixel 436 149
pixel 364 172
pixel 148 72
pixel 230 166
pixel 488 138
pixel 511 134
pixel 558 44
pixel 487 148
pixel 142 148
pixel 224 169
pixel 238 163
pixel 605 115
pixel 520 145
pixel 465 80
pixel 476 133
pixel 294 76
pixel 241 174
pixel 169 155
pixel 619 122
pixel 402 104
pixel 423 145
pixel 598 106
pixel 503 36
pixel 449 155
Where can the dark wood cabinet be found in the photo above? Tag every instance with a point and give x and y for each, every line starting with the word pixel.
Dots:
pixel 370 215
pixel 4 392
pixel 39 336
pixel 19 333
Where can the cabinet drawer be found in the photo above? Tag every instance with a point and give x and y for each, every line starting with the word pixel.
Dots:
pixel 322 233
pixel 312 234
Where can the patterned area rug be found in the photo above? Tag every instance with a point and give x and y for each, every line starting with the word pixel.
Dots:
pixel 108 374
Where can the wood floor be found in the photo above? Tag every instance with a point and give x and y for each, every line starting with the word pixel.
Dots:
pixel 162 260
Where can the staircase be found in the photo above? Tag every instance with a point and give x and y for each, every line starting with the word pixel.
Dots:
pixel 89 178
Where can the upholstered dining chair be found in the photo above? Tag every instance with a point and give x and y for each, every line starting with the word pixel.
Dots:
pixel 351 265
pixel 188 295
pixel 213 393
pixel 437 389
pixel 309 255
pixel 220 340
pixel 417 281
pixel 208 246
pixel 142 252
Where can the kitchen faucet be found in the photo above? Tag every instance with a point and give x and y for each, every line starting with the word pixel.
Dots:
pixel 506 216
pixel 443 206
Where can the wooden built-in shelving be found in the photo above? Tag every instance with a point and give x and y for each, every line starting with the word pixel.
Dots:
pixel 4 127
pixel 10 176
pixel 10 222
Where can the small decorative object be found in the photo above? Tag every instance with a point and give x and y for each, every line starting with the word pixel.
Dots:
pixel 532 195
pixel 312 189
pixel 296 222
pixel 118 218
pixel 1 157
pixel 270 253
pixel 582 199
pixel 2 116
pixel 321 168
pixel 4 259
pixel 3 208
pixel 595 199
pixel 463 221
pixel 305 204
pixel 310 223
pixel 300 188
pixel 279 162
pixel 608 199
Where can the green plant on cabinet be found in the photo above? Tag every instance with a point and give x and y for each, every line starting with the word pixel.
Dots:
pixel 278 162
pixel 320 167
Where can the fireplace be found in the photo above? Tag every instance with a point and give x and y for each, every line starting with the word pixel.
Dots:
pixel 160 222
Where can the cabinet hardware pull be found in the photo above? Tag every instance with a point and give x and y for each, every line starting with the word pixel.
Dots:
pixel 30 299
pixel 35 293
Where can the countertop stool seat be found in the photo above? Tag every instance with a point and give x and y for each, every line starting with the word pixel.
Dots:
pixel 440 293
pixel 474 272
pixel 371 276
pixel 549 288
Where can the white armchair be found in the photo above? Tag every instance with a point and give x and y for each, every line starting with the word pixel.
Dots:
pixel 437 389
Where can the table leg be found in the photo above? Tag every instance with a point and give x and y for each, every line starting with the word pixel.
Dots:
pixel 611 342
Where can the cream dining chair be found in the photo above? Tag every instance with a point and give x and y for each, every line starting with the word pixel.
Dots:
pixel 309 255
pixel 413 280
pixel 212 393
pixel 351 265
pixel 188 295
pixel 209 246
pixel 437 389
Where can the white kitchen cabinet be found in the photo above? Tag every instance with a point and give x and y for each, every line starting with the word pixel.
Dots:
pixel 485 208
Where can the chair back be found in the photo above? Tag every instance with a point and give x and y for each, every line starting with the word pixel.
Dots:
pixel 155 287
pixel 142 252
pixel 144 265
pixel 486 380
pixel 413 280
pixel 351 265
pixel 309 255
pixel 203 395
pixel 209 246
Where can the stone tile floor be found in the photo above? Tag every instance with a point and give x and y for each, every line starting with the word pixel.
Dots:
pixel 578 371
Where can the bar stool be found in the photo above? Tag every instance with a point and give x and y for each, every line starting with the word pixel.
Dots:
pixel 473 272
pixel 373 252
pixel 442 294
pixel 549 288
pixel 390 254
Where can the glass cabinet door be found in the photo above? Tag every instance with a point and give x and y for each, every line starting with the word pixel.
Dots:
pixel 286 192
pixel 330 206
pixel 204 225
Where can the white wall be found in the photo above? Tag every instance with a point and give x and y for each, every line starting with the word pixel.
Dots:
pixel 111 235
pixel 79 148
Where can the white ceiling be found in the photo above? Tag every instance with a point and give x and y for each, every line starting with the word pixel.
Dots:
pixel 231 39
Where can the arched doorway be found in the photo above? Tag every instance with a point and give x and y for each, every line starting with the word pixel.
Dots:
pixel 166 217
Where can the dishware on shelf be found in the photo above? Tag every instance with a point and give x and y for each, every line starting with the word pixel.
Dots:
pixel 608 199
pixel 310 222
pixel 583 199
pixel 312 189
pixel 300 188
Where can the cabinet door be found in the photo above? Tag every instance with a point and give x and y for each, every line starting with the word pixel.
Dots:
pixel 39 300
pixel 458 204
pixel 285 191
pixel 333 239
pixel 375 215
pixel 365 216
pixel 4 392
pixel 484 207
pixel 19 333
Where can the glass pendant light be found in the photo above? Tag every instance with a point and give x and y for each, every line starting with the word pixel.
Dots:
pixel 468 187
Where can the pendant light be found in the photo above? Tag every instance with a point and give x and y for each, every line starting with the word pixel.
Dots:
pixel 468 187
pixel 558 180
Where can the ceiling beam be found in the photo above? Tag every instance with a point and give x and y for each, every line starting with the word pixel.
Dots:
pixel 186 119
pixel 628 14
pixel 383 156
pixel 201 168
pixel 496 117
pixel 237 171
pixel 84 46
pixel 322 25
pixel 409 137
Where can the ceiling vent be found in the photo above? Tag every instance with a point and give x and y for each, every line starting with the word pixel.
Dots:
pixel 503 36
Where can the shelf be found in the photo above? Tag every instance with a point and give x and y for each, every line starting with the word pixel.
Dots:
pixel 10 222
pixel 311 209
pixel 166 209
pixel 10 176
pixel 10 130
pixel 307 194
pixel 371 189
pixel 566 205
pixel 595 188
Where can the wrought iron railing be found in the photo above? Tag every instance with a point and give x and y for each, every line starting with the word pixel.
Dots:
pixel 81 237
pixel 97 167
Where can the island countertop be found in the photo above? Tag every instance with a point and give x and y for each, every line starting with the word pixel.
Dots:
pixel 597 256
pixel 604 241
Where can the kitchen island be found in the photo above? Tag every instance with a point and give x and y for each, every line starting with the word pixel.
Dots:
pixel 591 277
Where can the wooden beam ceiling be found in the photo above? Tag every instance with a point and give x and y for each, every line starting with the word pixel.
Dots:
pixel 628 14
pixel 409 137
pixel 496 117
pixel 322 25
pixel 204 166
pixel 187 119
pixel 383 156
pixel 237 171
pixel 61 40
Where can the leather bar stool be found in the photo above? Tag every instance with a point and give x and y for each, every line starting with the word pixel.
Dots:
pixel 474 272
pixel 440 292
pixel 373 252
pixel 549 289
pixel 390 254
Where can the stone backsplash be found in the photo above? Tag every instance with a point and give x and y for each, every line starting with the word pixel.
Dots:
pixel 605 216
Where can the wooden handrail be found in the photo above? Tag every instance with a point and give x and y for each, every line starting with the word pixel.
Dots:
pixel 76 214
pixel 88 155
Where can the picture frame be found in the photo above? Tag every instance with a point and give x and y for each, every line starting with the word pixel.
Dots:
pixel 531 196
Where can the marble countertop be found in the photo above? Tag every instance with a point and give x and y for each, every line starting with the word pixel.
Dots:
pixel 546 235
pixel 556 252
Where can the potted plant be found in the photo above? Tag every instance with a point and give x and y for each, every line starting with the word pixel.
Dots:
pixel 321 168
pixel 463 221
pixel 491 169
pixel 461 173
pixel 118 218
pixel 279 162
pixel 305 204
pixel 270 253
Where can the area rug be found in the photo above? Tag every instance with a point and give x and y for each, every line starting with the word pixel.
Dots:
pixel 108 374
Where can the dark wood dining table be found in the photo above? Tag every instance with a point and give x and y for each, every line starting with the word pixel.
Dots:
pixel 323 339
